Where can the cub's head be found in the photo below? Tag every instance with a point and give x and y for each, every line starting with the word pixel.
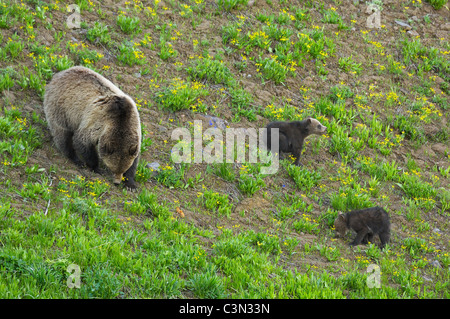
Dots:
pixel 340 225
pixel 313 126
pixel 120 143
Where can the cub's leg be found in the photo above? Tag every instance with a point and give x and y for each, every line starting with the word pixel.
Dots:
pixel 284 143
pixel 367 239
pixel 296 153
pixel 384 238
pixel 359 237
pixel 130 174
pixel 268 139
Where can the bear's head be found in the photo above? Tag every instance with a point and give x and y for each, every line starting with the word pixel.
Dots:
pixel 340 225
pixel 313 126
pixel 120 143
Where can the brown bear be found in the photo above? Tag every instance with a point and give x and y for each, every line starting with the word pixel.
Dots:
pixel 366 223
pixel 90 119
pixel 292 134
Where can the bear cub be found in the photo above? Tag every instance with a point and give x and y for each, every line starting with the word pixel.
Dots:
pixel 292 134
pixel 91 119
pixel 367 223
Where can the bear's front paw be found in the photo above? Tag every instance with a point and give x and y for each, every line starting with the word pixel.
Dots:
pixel 130 185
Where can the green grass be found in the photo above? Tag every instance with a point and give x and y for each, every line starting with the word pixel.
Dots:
pixel 129 25
pixel 224 230
pixel 228 5
pixel 437 4
pixel 180 95
pixel 208 68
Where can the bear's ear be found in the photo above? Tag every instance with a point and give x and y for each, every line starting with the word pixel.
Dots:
pixel 341 216
pixel 117 105
pixel 308 120
pixel 133 150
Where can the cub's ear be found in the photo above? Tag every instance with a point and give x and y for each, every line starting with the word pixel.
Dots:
pixel 341 216
pixel 308 120
pixel 133 150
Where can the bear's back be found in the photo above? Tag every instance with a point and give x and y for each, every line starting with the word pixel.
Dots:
pixel 72 95
pixel 376 218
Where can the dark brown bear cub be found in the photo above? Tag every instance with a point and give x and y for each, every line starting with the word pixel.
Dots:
pixel 292 134
pixel 366 223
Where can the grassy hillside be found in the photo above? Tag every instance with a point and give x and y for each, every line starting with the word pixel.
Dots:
pixel 227 230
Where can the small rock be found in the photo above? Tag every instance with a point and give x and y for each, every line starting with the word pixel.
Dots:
pixel 403 24
pixel 441 34
pixel 212 121
pixel 9 96
pixel 435 263
pixel 154 167
pixel 440 148
pixel 217 122
pixel 446 26
pixel 162 129
pixel 413 33
pixel 204 26
pixel 437 230
pixel 264 96
pixel 426 278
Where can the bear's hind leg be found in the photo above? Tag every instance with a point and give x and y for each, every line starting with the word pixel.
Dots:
pixel 359 237
pixel 296 153
pixel 367 239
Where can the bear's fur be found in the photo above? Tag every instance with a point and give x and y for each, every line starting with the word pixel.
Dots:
pixel 90 119
pixel 292 134
pixel 366 223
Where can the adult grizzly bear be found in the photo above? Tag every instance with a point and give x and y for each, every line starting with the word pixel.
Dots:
pixel 292 134
pixel 366 223
pixel 91 119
